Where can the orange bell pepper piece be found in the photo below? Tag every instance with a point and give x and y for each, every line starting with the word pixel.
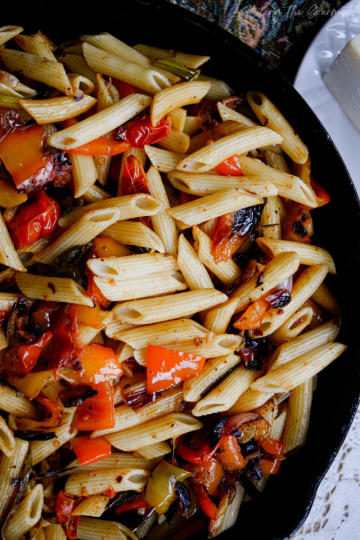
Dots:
pixel 166 368
pixel 99 147
pixel 229 167
pixel 269 467
pixel 271 446
pixel 97 412
pixel 107 247
pixel 230 458
pixel 100 364
pixel 253 316
pixel 89 316
pixel 89 450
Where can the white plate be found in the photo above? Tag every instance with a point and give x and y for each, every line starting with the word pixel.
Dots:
pixel 326 46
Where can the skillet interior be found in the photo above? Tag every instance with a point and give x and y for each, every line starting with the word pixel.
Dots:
pixel 291 493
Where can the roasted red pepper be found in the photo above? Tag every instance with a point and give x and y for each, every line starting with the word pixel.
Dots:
pixel 269 467
pixel 207 506
pixel 322 196
pixel 35 220
pixel 209 473
pixel 97 412
pixel 134 177
pixel 123 88
pixel 65 504
pixel 65 348
pixel 271 446
pixel 140 131
pixel 28 354
pixel 53 411
pixel 99 147
pixel 134 504
pixel 253 316
pixel 89 450
pixel 230 457
pixel 229 167
pixel 94 292
pixel 166 368
pixel 198 450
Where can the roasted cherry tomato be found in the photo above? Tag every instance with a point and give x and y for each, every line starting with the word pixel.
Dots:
pixel 140 131
pixel 65 504
pixel 123 88
pixel 28 355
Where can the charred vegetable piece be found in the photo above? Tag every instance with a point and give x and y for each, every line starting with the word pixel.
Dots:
pixel 97 412
pixel 230 456
pixel 160 491
pixel 178 69
pixel 79 396
pixel 135 503
pixel 34 435
pixel 182 492
pixel 65 504
pixel 28 355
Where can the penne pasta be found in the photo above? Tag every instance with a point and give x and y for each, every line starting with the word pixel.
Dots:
pixel 168 307
pixel 325 298
pixel 211 206
pixel 218 319
pixel 230 114
pixel 302 368
pixel 237 143
pixel 99 123
pixel 78 64
pixel 218 89
pixel 298 417
pixel 18 405
pixel 8 255
pixel 26 515
pixel 122 460
pixel 97 482
pixel 9 32
pixel 176 141
pixel 156 450
pixel 42 449
pixel 94 506
pixel 10 468
pixel 95 194
pixel 249 400
pixel 191 125
pixel 193 270
pixel 51 288
pixel 123 268
pixel 294 325
pixel 163 160
pixel 35 44
pixel 7 441
pixel 191 61
pixel 9 196
pixel 133 233
pixel 270 116
pixel 84 174
pixel 45 111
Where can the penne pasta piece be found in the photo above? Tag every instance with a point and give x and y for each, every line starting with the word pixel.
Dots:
pixel 302 368
pixel 126 418
pixel 237 143
pixel 7 300
pixel 277 270
pixel 294 325
pixel 145 78
pixel 124 352
pixel 230 114
pixel 51 390
pixel 94 506
pixel 54 531
pixel 7 441
pixel 164 225
pixel 130 206
pixel 178 118
pixel 193 270
pixel 42 449
pixel 140 155
pixel 227 271
pixel 10 468
pixel 277 426
pixel 158 430
pixel 270 116
pixel 168 307
pixel 288 185
pixel 99 123
pixel 35 44
pixel 3 340
pixel 124 268
pixel 206 184
pixel 8 255
pixel 176 96
pixel 163 160
pixel 95 194
pixel 45 111
pixel 154 450
pixel 84 174
pixel 162 333
pixel 18 405
pixel 232 511
pixel 215 205
pixel 122 460
pixel 213 370
pixel 26 515
pixel 9 32
pixel 209 227
pixel 78 64
pixel 176 141
pixel 97 482
pixel 223 397
pixel 191 125
pixel 116 326
pixel 308 254
pixel 9 196
pixel 218 319
pixel 51 288
pixel 133 233
pixel 38 69
pixel 90 225
pixel 326 333
pixel 298 417
pixel 141 287
pixel 98 529
pixel 191 61
pixel 325 298
pixel 249 400
pixel 303 288
pixel 218 90
pixel 276 161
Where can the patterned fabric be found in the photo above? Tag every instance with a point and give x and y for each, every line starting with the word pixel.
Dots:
pixel 271 27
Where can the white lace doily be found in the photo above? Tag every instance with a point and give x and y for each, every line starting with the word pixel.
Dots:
pixel 335 513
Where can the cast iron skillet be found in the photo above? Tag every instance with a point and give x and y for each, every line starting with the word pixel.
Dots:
pixel 291 493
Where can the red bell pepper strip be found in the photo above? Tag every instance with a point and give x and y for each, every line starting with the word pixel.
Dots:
pixel 199 451
pixel 54 413
pixel 89 450
pixel 35 220
pixel 269 467
pixel 134 177
pixel 271 446
pixel 253 316
pixel 166 368
pixel 65 504
pixel 134 504
pixel 229 167
pixel 94 292
pixel 322 196
pixel 206 504
pixel 230 457
pixel 140 131
pixel 226 240
pixel 62 346
pixel 99 365
pixel 123 88
pixel 97 412
pixel 28 354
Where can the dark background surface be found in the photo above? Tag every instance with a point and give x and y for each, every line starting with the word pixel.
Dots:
pixel 290 494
